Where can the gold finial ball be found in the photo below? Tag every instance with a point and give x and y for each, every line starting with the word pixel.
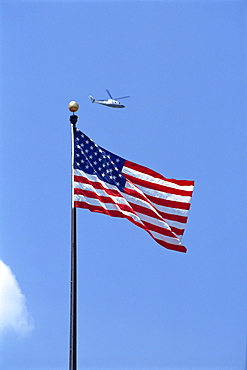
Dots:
pixel 73 106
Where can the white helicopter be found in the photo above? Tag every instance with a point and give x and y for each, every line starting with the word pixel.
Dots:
pixel 112 103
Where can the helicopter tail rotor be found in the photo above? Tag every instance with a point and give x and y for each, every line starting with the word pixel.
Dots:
pixel 92 99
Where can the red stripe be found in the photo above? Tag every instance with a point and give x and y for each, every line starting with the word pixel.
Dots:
pixel 84 180
pixel 145 211
pixel 157 187
pixel 168 203
pixel 109 212
pixel 160 230
pixel 113 193
pixel 100 209
pixel 178 248
pixel 171 217
pixel 176 231
pixel 155 174
pixel 93 194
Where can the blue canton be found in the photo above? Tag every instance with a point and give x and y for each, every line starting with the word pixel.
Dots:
pixel 95 160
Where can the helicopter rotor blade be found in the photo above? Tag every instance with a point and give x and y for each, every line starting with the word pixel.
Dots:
pixel 123 97
pixel 108 92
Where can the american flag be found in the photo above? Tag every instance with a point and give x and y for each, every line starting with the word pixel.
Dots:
pixel 109 184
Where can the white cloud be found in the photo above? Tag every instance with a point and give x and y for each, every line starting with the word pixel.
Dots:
pixel 13 312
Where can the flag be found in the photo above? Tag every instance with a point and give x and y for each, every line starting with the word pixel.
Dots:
pixel 110 184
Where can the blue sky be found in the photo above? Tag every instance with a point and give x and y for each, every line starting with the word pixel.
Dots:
pixel 140 306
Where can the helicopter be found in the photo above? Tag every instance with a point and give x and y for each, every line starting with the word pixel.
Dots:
pixel 112 103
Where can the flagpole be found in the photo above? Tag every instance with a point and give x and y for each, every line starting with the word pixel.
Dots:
pixel 73 107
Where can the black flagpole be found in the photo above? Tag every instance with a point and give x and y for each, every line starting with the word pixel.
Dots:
pixel 73 107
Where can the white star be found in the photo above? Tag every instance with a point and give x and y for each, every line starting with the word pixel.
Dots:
pixel 117 160
pixel 95 163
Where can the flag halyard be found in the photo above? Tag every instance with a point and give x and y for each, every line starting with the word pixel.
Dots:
pixel 109 184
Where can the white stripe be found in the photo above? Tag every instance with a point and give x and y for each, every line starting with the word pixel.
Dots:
pixel 176 224
pixel 170 210
pixel 146 177
pixel 119 199
pixel 154 221
pixel 163 195
pixel 95 178
pixel 165 238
